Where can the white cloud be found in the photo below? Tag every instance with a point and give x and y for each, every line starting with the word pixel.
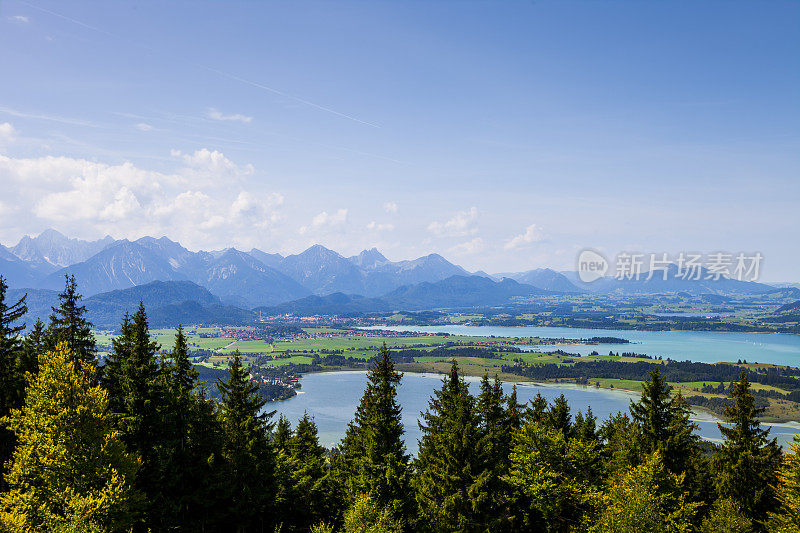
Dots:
pixel 469 247
pixel 211 165
pixel 390 207
pixel 462 224
pixel 143 126
pixel 7 132
pixel 325 221
pixel 216 114
pixel 91 199
pixel 375 226
pixel 532 234
pixel 20 18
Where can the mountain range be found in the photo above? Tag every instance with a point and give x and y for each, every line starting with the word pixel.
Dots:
pixel 317 278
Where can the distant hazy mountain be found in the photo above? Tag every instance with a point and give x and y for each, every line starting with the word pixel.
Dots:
pixel 39 302
pixel 17 273
pixel 168 303
pixel 271 260
pixel 191 312
pixel 156 294
pixel 368 259
pixel 390 275
pixel 258 278
pixel 330 304
pixel 122 265
pixel 673 284
pixel 51 248
pixel 458 291
pixel 455 291
pixel 544 278
pixel 240 279
pixel 323 271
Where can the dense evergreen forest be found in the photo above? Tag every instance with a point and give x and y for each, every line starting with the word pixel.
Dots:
pixel 134 443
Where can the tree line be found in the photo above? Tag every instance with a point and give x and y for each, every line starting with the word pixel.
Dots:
pixel 675 371
pixel 133 443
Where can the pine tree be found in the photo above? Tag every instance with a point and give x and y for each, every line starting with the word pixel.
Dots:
pixel 585 426
pixel 747 462
pixel 496 429
pixel 374 457
pixel 248 458
pixel 306 484
pixel 788 492
pixel 558 416
pixel 70 465
pixel 68 324
pixel 177 457
pixel 135 383
pixel 281 435
pixel 536 410
pixel 620 435
pixel 203 507
pixel 514 412
pixel 35 343
pixel 452 477
pixel 12 378
pixel 665 426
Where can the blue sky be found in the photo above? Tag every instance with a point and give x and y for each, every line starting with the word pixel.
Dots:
pixel 504 135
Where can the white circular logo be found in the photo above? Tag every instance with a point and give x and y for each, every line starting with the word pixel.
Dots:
pixel 591 266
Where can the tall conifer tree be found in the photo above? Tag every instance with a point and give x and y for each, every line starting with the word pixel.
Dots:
pixel 452 482
pixel 12 378
pixel 249 462
pixel 135 382
pixel 374 456
pixel 746 464
pixel 68 324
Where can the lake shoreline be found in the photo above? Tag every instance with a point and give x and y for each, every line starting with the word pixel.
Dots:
pixel 699 412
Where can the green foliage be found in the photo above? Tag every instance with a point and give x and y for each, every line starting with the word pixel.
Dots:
pixel 747 462
pixel 620 436
pixel 248 462
pixel 68 324
pixel 556 477
pixel 725 516
pixel 365 515
pixel 304 483
pixel 585 426
pixel 664 424
pixel 136 385
pixel 558 416
pixel 787 518
pixel 35 343
pixel 452 482
pixel 374 460
pixel 322 527
pixel 70 470
pixel 536 410
pixel 647 499
pixel 12 369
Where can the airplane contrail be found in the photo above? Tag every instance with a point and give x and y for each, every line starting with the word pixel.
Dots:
pixel 207 68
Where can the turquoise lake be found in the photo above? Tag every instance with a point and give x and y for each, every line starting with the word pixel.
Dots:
pixel 707 347
pixel 332 397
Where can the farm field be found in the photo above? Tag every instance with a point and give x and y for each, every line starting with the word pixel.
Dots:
pixel 214 347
